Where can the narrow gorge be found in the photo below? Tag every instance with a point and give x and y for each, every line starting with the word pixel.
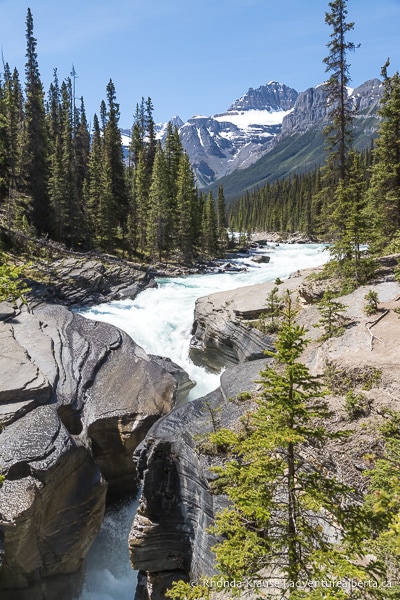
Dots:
pixel 87 413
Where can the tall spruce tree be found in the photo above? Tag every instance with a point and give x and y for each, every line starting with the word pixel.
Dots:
pixel 14 118
pixel 93 195
pixel 221 219
pixel 186 201
pixel 141 199
pixel 4 149
pixel 339 132
pixel 384 191
pixel 157 215
pixel 209 226
pixel 35 153
pixel 343 183
pixel 81 151
pixel 114 159
pixel 173 155
pixel 290 521
pixel 351 227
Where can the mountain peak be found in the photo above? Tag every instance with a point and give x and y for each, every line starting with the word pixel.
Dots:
pixel 272 96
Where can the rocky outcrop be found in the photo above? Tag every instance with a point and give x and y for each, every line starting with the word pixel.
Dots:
pixel 221 333
pixel 312 107
pixel 170 538
pixel 76 398
pixel 83 279
pixel 52 501
pixel 220 337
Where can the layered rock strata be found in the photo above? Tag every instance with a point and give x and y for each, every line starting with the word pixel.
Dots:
pixel 170 537
pixel 82 280
pixel 76 398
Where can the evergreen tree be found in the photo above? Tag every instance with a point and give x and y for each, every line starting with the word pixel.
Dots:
pixel 35 153
pixel 289 518
pixel 138 134
pixel 350 226
pixel 4 150
pixel 332 318
pixel 173 156
pixel 81 151
pixel 114 161
pixel 94 186
pixel 13 102
pixel 141 202
pixel 157 216
pixel 209 226
pixel 221 219
pixel 186 207
pixel 384 191
pixel 62 180
pixel 339 131
pixel 151 142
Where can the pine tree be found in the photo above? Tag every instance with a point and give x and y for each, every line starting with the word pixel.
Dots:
pixel 209 226
pixel 332 316
pixel 4 149
pixel 35 153
pixel 141 203
pixel 114 161
pixel 138 134
pixel 186 207
pixel 173 156
pixel 94 186
pixel 339 131
pixel 81 153
pixel 63 191
pixel 14 117
pixel 157 216
pixel 221 219
pixel 384 191
pixel 350 226
pixel 151 142
pixel 289 519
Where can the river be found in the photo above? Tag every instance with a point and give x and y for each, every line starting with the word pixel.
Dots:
pixel 160 320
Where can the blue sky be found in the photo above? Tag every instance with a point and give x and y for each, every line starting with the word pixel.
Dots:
pixel 192 56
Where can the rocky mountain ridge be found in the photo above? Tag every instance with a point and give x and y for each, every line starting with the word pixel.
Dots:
pixel 259 120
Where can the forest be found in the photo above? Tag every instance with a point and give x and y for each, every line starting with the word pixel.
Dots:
pixel 64 180
pixel 74 185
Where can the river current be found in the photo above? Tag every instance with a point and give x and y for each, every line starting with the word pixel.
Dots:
pixel 160 320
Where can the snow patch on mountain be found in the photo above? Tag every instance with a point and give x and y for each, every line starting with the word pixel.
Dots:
pixel 247 119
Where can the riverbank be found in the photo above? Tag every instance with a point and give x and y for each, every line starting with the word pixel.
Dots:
pixel 362 362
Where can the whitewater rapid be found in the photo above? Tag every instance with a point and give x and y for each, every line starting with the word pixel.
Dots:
pixel 160 320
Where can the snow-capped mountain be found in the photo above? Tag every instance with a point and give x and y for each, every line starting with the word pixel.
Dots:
pixel 255 123
pixel 220 144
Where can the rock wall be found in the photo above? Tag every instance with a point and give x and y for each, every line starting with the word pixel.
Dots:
pixel 76 398
pixel 81 279
pixel 170 537
pixel 220 337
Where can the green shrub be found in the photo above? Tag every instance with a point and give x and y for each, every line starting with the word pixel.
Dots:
pixel 356 405
pixel 371 303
